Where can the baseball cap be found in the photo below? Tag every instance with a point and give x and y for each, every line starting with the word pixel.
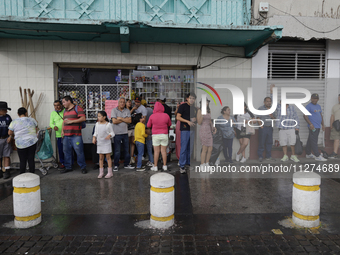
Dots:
pixel 315 95
pixel 138 99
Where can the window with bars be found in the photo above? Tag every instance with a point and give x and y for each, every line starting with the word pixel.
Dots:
pixel 296 61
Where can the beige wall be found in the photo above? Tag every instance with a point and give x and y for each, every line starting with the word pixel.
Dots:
pixel 318 15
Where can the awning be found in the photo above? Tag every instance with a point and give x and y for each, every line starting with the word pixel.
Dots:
pixel 252 38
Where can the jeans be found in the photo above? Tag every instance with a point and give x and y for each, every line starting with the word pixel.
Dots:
pixel 184 157
pixel 228 149
pixel 60 150
pixel 75 142
pixel 140 149
pixel 265 140
pixel 312 142
pixel 149 148
pixel 118 140
pixel 27 154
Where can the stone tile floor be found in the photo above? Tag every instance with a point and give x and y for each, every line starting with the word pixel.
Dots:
pixel 175 244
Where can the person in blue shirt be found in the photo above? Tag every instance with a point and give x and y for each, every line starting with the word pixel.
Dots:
pixel 315 123
pixel 5 140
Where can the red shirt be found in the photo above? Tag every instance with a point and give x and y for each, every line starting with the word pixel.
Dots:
pixel 75 128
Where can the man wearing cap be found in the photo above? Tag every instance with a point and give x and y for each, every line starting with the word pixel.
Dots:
pixel 139 108
pixel 315 122
pixel 335 135
pixel 5 140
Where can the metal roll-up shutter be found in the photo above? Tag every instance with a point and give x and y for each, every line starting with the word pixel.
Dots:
pixel 298 64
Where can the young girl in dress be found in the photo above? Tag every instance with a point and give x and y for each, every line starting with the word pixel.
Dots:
pixel 102 136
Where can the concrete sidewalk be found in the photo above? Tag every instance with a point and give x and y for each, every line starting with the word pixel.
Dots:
pixel 75 205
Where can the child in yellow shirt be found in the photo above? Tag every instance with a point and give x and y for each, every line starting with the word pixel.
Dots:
pixel 140 136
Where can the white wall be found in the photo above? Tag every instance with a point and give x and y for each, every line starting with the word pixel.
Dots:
pixel 29 64
pixel 333 78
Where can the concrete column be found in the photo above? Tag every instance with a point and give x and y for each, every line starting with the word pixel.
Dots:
pixel 26 200
pixel 306 199
pixel 162 200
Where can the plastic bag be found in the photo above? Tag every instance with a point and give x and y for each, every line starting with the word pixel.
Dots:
pixel 298 146
pixel 46 150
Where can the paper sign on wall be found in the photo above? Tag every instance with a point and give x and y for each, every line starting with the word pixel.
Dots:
pixel 109 105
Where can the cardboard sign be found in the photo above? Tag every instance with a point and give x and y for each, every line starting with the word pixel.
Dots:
pixel 109 105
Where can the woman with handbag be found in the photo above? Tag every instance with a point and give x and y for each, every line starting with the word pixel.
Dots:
pixel 242 134
pixel 206 132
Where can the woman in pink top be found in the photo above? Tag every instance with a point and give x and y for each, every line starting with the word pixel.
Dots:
pixel 160 123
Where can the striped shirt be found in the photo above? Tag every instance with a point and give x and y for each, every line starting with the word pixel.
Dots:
pixel 290 114
pixel 73 129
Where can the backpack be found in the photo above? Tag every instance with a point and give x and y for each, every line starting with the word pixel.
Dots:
pixel 83 124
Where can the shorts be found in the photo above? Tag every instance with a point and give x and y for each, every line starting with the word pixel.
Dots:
pixel 160 139
pixel 239 136
pixel 335 135
pixel 131 132
pixel 5 148
pixel 287 137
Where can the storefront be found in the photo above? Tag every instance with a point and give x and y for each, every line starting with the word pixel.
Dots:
pixel 98 89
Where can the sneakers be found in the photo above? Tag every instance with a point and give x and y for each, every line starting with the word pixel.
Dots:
pixel 320 158
pixel 182 170
pixel 260 159
pixel 238 157
pixel 333 155
pixel 149 163
pixel 243 160
pixel 285 158
pixel 141 169
pixel 294 158
pixel 154 168
pixel 132 160
pixel 66 170
pixel 310 156
pixel 129 167
pixel 7 174
pixel 188 167
pixel 84 171
pixel 231 162
pixel 61 166
pixel 269 159
pixel 202 167
pixel 165 168
pixel 115 169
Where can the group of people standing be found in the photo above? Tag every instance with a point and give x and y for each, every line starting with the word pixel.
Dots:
pixel 145 129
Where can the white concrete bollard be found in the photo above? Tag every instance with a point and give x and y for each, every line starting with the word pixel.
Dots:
pixel 306 199
pixel 162 200
pixel 26 200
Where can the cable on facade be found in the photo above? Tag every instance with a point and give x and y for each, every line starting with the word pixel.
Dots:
pixel 219 59
pixel 322 32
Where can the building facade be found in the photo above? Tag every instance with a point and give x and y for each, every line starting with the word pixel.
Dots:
pixel 50 46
